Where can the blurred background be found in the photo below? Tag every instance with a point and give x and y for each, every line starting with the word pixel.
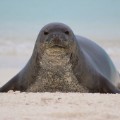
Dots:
pixel 21 21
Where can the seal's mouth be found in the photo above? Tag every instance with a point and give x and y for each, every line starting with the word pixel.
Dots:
pixel 53 44
pixel 57 46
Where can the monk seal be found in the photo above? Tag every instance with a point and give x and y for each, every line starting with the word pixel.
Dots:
pixel 64 62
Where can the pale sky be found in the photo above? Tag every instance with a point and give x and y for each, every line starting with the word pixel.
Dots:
pixel 98 19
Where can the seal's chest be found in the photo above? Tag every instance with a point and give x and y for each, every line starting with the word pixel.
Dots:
pixel 56 74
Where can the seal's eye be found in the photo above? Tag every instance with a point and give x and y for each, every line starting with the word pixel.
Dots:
pixel 67 32
pixel 46 33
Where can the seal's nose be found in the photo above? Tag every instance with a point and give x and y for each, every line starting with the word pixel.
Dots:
pixel 56 38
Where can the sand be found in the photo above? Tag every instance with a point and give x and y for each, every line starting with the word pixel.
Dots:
pixel 59 106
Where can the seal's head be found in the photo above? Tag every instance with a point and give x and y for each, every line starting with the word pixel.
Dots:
pixel 55 35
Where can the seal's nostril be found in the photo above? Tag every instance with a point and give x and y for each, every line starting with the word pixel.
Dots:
pixel 46 33
pixel 67 32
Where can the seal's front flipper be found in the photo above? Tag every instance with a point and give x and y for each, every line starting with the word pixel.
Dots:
pixel 10 85
pixel 107 87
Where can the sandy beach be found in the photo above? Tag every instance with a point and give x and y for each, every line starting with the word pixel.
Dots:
pixel 59 106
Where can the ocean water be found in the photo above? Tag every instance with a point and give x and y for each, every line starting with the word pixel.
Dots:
pixel 16 53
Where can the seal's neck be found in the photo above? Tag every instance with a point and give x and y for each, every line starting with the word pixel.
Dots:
pixel 54 57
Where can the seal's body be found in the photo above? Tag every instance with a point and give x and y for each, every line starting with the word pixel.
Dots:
pixel 64 62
